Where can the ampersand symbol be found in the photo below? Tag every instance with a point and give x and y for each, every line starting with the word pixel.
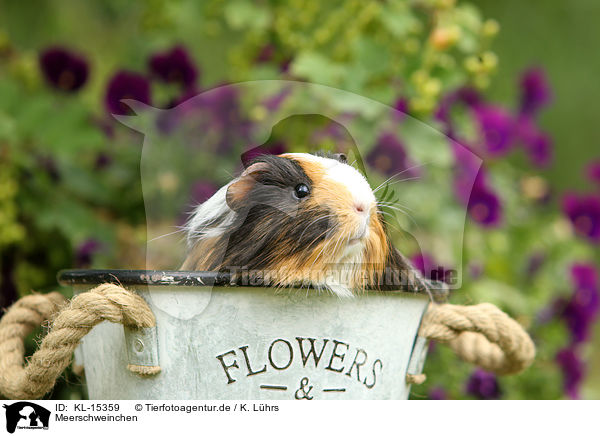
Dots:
pixel 304 390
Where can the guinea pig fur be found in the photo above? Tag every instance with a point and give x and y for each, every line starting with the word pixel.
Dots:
pixel 299 219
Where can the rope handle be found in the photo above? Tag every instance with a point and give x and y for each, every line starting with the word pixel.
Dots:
pixel 71 322
pixel 481 334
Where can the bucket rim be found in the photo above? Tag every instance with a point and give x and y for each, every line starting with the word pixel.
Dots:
pixel 140 277
pixel 144 277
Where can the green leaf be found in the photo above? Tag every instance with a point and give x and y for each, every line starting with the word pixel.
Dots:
pixel 399 20
pixel 246 15
pixel 317 68
pixel 373 56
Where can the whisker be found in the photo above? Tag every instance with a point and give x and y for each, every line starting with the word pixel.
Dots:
pixel 167 234
pixel 324 247
pixel 394 205
pixel 314 222
pixel 400 173
pixel 398 208
pixel 408 179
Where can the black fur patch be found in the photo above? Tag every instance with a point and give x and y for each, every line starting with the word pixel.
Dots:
pixel 275 225
pixel 400 274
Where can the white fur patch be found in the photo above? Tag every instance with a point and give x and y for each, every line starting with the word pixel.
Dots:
pixel 345 175
pixel 206 212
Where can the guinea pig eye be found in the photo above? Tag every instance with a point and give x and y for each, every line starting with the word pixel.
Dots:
pixel 301 191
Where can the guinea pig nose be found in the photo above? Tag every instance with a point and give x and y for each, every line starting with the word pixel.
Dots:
pixel 359 207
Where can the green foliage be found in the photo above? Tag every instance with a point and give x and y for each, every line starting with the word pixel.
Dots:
pixel 417 49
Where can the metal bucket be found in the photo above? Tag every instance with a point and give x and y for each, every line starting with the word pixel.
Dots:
pixel 214 341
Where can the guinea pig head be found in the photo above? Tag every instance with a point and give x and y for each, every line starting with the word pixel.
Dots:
pixel 355 232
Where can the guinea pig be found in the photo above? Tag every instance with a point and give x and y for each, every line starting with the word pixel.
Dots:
pixel 301 219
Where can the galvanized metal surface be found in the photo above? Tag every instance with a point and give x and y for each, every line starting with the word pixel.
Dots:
pixel 419 354
pixel 142 346
pixel 256 343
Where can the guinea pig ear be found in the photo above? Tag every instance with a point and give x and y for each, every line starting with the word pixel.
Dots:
pixel 341 157
pixel 238 191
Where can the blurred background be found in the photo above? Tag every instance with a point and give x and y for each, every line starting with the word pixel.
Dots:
pixel 512 81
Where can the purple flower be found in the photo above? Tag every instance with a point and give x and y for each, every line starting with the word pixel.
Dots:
pixel 274 102
pixel 472 189
pixel 484 206
pixel 275 148
pixel 174 66
pixel 442 113
pixel 85 252
pixel 438 393
pixel 579 314
pixel 483 385
pixel 581 311
pixel 585 276
pixel 535 91
pixel 176 110
pixel 202 191
pixel 401 105
pixel 224 103
pixel 423 262
pixel 401 109
pixel 212 120
pixel 496 127
pixel 584 213
pixel 227 119
pixel 467 172
pixel 126 85
pixel 537 144
pixel 63 69
pixel 573 370
pixel 389 157
pixel 540 150
pixel 218 107
pixel 593 172
pixel 430 269
pixel 467 96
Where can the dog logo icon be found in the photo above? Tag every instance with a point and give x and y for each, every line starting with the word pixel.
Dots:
pixel 26 415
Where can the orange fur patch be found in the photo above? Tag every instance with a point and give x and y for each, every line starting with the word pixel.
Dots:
pixel 327 255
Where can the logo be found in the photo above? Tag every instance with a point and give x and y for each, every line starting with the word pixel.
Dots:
pixel 26 415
